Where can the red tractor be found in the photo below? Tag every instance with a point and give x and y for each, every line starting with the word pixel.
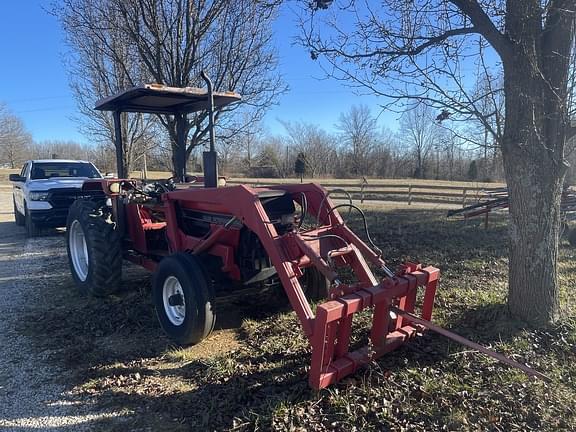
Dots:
pixel 199 239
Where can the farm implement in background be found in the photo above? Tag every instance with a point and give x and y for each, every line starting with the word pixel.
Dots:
pixel 498 200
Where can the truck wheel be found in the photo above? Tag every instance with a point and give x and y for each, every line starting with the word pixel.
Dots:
pixel 18 217
pixel 316 285
pixel 32 228
pixel 183 297
pixel 94 249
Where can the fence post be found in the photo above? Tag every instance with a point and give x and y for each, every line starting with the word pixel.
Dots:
pixel 410 194
pixel 464 198
pixel 362 186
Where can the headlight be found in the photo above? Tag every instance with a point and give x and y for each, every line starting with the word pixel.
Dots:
pixel 38 196
pixel 114 188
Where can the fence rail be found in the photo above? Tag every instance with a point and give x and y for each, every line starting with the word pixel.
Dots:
pixel 434 193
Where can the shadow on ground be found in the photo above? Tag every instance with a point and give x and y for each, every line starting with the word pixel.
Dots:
pixel 118 358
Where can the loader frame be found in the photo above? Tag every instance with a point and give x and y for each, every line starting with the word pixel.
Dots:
pixel 315 237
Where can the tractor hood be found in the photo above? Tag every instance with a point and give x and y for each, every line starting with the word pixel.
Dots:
pixel 56 183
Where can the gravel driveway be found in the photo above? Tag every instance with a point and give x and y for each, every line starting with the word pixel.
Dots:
pixel 32 394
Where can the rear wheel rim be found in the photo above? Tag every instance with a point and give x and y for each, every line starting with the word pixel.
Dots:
pixel 78 250
pixel 175 313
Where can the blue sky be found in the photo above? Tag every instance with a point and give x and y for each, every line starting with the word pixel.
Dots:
pixel 34 81
pixel 312 98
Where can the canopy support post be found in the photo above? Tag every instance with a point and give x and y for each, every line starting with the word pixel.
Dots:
pixel 118 143
pixel 181 126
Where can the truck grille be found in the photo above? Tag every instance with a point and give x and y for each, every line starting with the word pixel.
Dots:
pixel 63 198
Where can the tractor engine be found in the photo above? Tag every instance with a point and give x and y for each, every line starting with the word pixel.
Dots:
pixel 253 260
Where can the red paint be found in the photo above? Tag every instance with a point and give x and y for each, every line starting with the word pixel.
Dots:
pixel 330 327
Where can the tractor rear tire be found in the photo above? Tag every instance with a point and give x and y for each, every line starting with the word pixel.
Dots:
pixel 94 249
pixel 18 217
pixel 316 285
pixel 184 297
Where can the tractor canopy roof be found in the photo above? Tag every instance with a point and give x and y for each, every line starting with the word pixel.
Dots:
pixel 161 99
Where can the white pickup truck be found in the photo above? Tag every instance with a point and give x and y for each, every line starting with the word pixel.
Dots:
pixel 45 189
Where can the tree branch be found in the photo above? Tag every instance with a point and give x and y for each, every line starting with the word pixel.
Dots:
pixel 473 10
pixel 430 42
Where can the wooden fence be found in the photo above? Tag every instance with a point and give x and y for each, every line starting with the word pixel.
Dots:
pixel 398 191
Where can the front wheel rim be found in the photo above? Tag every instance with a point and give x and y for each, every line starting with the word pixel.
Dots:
pixel 78 250
pixel 175 313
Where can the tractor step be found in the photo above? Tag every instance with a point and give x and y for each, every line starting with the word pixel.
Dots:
pixel 262 275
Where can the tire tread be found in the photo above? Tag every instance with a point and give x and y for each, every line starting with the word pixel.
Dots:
pixel 105 253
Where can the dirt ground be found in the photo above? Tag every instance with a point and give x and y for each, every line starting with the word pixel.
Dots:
pixel 37 302
pixel 34 394
pixel 69 362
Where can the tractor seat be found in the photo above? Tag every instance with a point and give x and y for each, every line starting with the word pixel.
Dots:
pixel 149 226
pixel 147 222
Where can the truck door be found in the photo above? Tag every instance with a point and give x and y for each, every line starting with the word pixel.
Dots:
pixel 19 188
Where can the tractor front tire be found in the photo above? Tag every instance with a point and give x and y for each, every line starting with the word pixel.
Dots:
pixel 18 217
pixel 183 297
pixel 94 249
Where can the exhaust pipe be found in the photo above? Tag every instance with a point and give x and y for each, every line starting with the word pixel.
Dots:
pixel 210 158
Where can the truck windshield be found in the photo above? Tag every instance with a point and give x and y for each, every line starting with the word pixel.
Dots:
pixel 45 170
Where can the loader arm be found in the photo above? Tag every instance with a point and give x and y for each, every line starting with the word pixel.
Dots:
pixel 329 247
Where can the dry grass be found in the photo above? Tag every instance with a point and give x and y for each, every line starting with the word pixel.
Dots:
pixel 5 172
pixel 154 175
pixel 119 359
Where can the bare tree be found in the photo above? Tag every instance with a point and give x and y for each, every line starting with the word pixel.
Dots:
pixel 103 157
pixel 240 148
pixel 249 144
pixel 449 143
pixel 171 41
pixel 486 134
pixel 228 151
pixel 14 139
pixel 316 145
pixel 104 62
pixel 382 154
pixel 359 133
pixel 417 50
pixel 421 132
pixel 270 158
pixel 59 149
pixel 284 153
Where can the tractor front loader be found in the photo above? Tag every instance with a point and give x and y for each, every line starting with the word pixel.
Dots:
pixel 268 216
pixel 199 239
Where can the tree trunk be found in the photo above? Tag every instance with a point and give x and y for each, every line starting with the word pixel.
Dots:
pixel 536 93
pixel 126 154
pixel 178 136
pixel 534 227
pixel 485 161
pixel 534 169
pixel 178 161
